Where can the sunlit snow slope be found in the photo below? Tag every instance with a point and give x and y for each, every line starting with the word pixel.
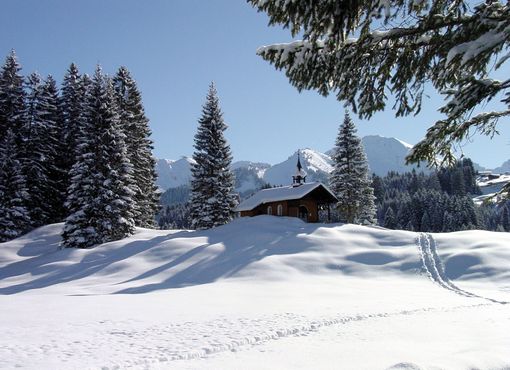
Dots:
pixel 260 293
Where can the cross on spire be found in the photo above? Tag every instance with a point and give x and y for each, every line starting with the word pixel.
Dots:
pixel 300 176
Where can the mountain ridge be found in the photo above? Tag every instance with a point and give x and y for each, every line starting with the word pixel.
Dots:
pixel 384 154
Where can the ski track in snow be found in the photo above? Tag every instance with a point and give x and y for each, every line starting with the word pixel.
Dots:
pixel 162 343
pixel 435 270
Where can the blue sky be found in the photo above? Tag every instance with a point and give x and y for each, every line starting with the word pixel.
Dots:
pixel 175 48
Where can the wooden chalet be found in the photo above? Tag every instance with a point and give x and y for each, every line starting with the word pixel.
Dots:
pixel 301 199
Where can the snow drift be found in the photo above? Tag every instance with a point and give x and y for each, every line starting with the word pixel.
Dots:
pixel 268 292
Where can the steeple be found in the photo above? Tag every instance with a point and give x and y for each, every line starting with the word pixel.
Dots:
pixel 300 176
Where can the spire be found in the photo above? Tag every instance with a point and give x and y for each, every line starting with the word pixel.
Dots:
pixel 299 167
pixel 300 176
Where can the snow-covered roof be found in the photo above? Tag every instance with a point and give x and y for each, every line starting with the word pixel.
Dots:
pixel 280 193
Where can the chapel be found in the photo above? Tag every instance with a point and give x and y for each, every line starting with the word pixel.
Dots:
pixel 301 199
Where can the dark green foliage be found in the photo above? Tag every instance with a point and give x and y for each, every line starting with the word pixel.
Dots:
pixel 176 216
pixel 43 153
pixel 72 103
pixel 176 195
pixel 433 202
pixel 74 146
pixel 422 203
pixel 390 221
pixel 459 179
pixel 139 148
pixel 505 219
pixel 14 214
pixel 212 199
pixel 36 153
pixel 100 196
pixel 14 198
pixel 12 99
pixel 364 50
pixel 350 180
pixel 57 175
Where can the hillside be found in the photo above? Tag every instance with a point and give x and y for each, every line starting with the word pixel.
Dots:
pixel 263 290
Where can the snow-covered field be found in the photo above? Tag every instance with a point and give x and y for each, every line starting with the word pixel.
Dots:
pixel 260 293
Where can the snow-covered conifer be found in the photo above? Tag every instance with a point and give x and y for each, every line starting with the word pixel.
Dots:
pixel 37 155
pixel 14 215
pixel 212 199
pixel 42 152
pixel 72 104
pixel 12 98
pixel 425 222
pixel 390 221
pixel 100 196
pixel 362 50
pixel 139 148
pixel 350 180
pixel 505 219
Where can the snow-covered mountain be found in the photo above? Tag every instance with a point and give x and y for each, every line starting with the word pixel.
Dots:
pixel 384 154
pixel 505 167
pixel 316 164
pixel 249 175
pixel 173 173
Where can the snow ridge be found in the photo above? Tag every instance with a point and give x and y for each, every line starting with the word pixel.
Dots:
pixel 435 270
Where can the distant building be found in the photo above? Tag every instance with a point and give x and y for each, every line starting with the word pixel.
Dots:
pixel 301 199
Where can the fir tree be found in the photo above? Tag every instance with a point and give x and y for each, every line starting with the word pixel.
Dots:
pixel 42 152
pixel 404 212
pixel 505 219
pixel 37 156
pixel 456 46
pixel 389 219
pixel 100 195
pixel 212 199
pixel 448 222
pixel 139 148
pixel 378 185
pixel 425 222
pixel 56 162
pixel 72 105
pixel 350 179
pixel 12 99
pixel 14 215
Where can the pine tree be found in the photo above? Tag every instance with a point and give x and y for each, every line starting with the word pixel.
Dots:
pixel 100 196
pixel 212 198
pixel 139 148
pixel 14 215
pixel 425 222
pixel 379 190
pixel 389 219
pixel 72 105
pixel 505 219
pixel 368 210
pixel 448 222
pixel 12 99
pixel 37 154
pixel 404 212
pixel 350 179
pixel 362 50
pixel 42 152
pixel 51 114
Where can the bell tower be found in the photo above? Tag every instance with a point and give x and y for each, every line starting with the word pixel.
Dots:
pixel 300 176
